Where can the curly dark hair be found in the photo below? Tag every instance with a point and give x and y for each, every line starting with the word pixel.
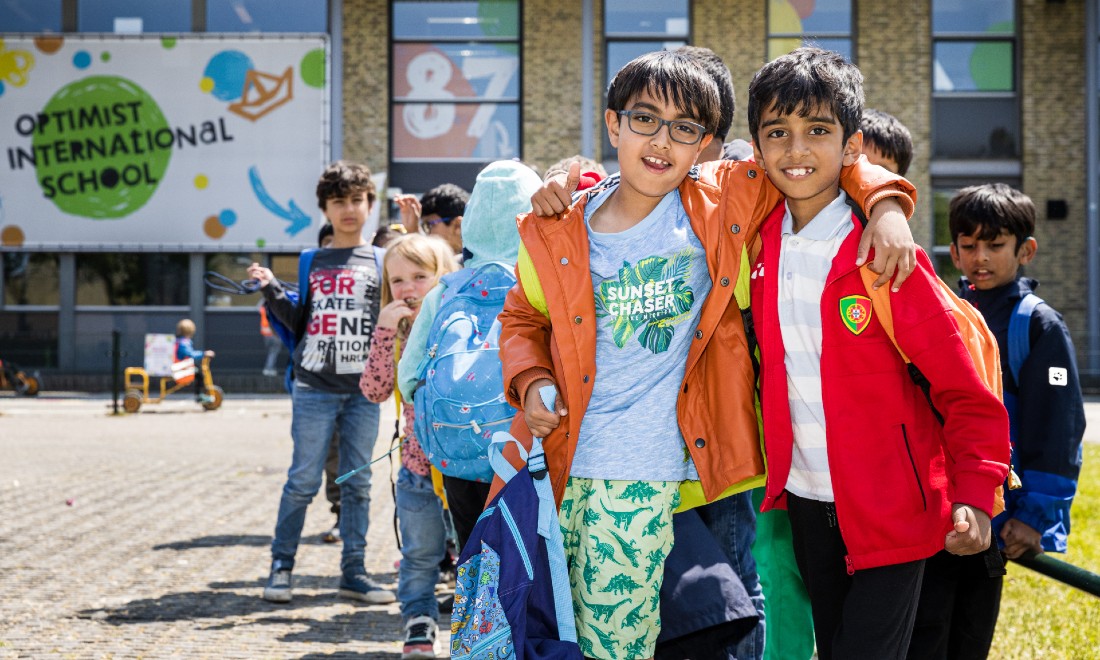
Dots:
pixel 446 201
pixel 342 179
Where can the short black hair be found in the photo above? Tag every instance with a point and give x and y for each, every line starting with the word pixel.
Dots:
pixel 889 136
pixel 326 231
pixel 446 201
pixel 342 179
pixel 805 79
pixel 673 77
pixel 723 79
pixel 988 210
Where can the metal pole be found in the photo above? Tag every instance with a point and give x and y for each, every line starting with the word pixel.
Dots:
pixel 1092 203
pixel 116 360
pixel 1074 576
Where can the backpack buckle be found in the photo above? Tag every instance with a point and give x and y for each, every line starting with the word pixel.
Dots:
pixel 536 465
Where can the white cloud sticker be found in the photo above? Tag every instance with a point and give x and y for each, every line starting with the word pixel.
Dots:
pixel 1059 376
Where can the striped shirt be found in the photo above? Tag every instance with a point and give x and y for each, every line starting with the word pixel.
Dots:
pixel 805 260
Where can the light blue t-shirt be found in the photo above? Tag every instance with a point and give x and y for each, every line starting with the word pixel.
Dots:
pixel 650 282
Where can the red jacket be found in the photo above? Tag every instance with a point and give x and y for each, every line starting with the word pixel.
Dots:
pixel 895 470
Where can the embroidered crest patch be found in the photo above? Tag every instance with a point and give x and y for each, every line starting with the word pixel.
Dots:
pixel 855 311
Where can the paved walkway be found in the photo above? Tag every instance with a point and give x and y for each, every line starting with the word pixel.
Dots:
pixel 164 547
pixel 147 535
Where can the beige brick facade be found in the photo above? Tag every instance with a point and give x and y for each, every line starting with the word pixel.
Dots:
pixel 366 82
pixel 552 77
pixel 1053 121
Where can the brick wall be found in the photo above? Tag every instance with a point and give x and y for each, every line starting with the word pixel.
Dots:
pixel 1053 120
pixel 366 82
pixel 552 74
pixel 735 30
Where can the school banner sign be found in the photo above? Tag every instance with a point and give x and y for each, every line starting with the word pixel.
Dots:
pixel 148 142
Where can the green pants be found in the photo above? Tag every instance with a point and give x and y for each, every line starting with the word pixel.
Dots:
pixel 788 621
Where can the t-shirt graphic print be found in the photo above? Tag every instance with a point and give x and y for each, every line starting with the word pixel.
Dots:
pixel 648 300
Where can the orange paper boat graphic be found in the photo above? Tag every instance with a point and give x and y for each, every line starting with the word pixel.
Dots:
pixel 263 92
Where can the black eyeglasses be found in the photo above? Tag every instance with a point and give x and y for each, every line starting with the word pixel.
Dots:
pixel 428 224
pixel 680 130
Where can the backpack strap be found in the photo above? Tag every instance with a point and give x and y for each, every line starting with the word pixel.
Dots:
pixel 1019 336
pixel 379 255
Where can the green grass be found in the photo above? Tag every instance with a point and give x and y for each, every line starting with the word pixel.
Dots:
pixel 1043 618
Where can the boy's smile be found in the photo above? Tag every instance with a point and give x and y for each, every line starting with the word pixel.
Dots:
pixel 650 166
pixel 991 264
pixel 803 157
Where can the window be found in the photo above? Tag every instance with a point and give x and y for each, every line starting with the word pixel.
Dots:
pixel 975 106
pixel 120 279
pixel 31 278
pixel 30 15
pixel 826 24
pixel 133 16
pixel 266 16
pixel 29 339
pixel 637 27
pixel 456 84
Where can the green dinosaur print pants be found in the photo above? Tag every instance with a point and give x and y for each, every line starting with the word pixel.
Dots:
pixel 617 535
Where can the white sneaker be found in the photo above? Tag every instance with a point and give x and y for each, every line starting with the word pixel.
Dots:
pixel 420 637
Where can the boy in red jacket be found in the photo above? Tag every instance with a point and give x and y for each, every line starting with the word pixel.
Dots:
pixel 874 484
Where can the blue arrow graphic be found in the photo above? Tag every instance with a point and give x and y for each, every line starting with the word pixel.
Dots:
pixel 295 216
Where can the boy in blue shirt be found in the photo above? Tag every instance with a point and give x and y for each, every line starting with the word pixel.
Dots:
pixel 991 239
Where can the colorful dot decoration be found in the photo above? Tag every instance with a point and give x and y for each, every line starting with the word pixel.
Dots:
pixel 168 43
pixel 82 59
pixel 206 85
pixel 12 236
pixel 260 242
pixel 104 57
pixel 49 45
pixel 215 226
pixel 201 181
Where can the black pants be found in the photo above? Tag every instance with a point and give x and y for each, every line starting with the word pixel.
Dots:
pixel 868 614
pixel 959 601
pixel 466 501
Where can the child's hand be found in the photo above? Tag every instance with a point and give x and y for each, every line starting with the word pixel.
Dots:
pixel 972 531
pixel 888 232
pixel 393 313
pixel 540 420
pixel 410 212
pixel 556 195
pixel 1021 539
pixel 260 274
pixel 208 354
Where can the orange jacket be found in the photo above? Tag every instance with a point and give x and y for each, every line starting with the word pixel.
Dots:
pixel 726 201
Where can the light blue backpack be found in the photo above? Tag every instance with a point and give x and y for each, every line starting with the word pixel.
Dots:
pixel 459 398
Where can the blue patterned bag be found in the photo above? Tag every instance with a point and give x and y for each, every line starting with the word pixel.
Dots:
pixel 512 597
pixel 459 398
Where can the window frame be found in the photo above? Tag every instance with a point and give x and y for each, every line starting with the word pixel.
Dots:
pixel 460 171
pixel 813 37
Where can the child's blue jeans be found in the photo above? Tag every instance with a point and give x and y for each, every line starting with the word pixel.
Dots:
pixel 423 542
pixel 315 415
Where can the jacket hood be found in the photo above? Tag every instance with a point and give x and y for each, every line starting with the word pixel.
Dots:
pixel 501 192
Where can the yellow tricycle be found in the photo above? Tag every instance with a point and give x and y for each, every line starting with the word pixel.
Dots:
pixel 137 387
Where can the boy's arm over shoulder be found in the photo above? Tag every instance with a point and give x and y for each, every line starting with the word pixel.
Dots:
pixel 415 350
pixel 975 421
pixel 1050 427
pixel 524 335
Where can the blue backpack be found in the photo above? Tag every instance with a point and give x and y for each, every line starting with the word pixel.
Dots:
pixel 512 596
pixel 459 398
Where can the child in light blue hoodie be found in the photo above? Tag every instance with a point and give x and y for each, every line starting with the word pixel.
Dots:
pixel 501 192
